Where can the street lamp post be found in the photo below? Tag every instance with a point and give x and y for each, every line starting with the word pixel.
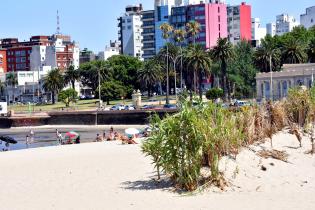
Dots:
pixel 174 62
pixel 99 88
pixel 271 85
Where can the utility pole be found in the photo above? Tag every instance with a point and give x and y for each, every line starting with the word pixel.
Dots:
pixel 271 85
pixel 99 88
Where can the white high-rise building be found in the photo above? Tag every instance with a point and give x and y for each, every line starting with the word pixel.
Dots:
pixel 308 19
pixel 130 31
pixel 271 29
pixel 285 23
pixel 258 32
pixel 111 50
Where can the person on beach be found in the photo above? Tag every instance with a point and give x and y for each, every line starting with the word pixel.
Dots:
pixel 111 136
pixel 77 140
pixel 7 147
pixel 128 140
pixel 98 138
pixel 27 140
pixel 104 136
pixel 59 138
pixel 31 135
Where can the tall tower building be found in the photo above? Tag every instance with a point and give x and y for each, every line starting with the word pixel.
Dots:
pixel 211 17
pixel 239 23
pixel 308 19
pixel 258 32
pixel 130 31
pixel 285 23
pixel 148 34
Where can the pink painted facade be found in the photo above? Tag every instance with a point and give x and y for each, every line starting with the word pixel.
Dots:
pixel 216 23
pixel 245 21
pixel 213 20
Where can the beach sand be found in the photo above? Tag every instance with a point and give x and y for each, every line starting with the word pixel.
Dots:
pixel 109 175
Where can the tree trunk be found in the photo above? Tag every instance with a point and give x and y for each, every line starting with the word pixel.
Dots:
pixel 224 79
pixel 229 90
pixel 149 91
pixel 53 97
pixel 200 85
pixel 167 77
pixel 195 82
pixel 72 83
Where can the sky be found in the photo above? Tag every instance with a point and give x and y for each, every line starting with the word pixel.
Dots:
pixel 93 23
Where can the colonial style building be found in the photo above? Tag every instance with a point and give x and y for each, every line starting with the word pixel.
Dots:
pixel 292 75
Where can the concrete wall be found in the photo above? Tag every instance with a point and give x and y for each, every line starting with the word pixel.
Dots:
pixel 86 118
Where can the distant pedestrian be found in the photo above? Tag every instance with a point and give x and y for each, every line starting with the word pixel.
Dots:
pixel 32 134
pixel 59 137
pixel 104 136
pixel 7 147
pixel 27 140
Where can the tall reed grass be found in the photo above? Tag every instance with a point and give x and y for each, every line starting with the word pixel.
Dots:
pixel 198 136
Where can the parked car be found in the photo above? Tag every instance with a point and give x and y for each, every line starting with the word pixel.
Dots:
pixel 146 107
pixel 118 107
pixel 170 106
pixel 241 103
pixel 130 107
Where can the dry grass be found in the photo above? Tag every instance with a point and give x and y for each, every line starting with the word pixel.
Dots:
pixel 275 154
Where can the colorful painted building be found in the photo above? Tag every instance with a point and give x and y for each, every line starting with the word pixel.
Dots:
pixel 239 23
pixel 211 17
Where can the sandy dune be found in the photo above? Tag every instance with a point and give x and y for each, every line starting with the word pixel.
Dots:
pixel 114 176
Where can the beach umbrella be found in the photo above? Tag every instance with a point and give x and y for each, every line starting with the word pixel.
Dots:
pixel 8 139
pixel 132 131
pixel 72 135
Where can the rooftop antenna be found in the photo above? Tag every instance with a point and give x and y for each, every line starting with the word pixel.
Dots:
pixel 58 23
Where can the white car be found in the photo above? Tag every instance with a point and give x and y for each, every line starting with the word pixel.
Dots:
pixel 118 107
pixel 130 107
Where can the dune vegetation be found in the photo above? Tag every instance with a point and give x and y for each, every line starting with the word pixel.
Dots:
pixel 199 136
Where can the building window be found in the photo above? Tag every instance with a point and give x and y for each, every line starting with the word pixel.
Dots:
pixel 218 9
pixel 219 18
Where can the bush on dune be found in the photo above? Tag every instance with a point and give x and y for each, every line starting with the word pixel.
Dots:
pixel 199 136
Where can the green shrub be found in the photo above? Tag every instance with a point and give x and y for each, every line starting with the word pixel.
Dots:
pixel 179 143
pixel 214 93
pixel 68 96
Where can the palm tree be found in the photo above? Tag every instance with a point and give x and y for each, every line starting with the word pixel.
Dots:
pixel 150 74
pixel 11 80
pixel 293 51
pixel 269 50
pixel 71 75
pixel 201 62
pixel 179 38
pixel 166 33
pixel 311 51
pixel 53 82
pixel 192 29
pixel 223 52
